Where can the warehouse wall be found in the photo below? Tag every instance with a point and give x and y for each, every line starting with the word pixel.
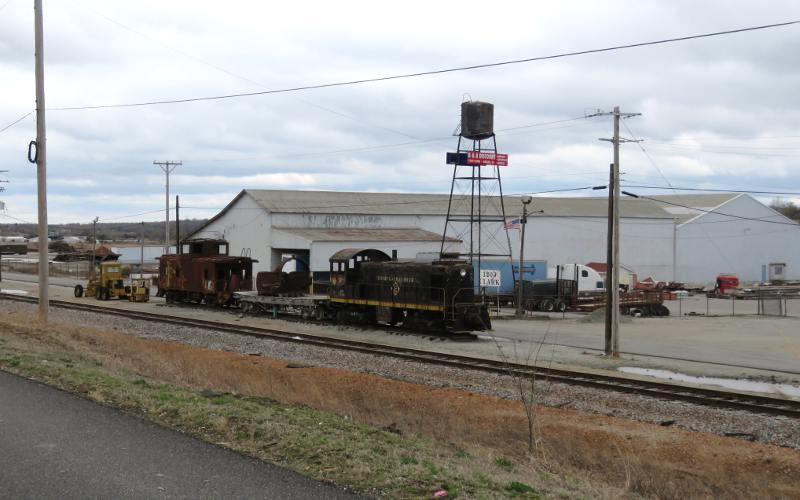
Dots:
pixel 714 244
pixel 246 225
pixel 321 251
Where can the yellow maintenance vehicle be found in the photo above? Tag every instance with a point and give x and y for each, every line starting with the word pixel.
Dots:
pixel 108 283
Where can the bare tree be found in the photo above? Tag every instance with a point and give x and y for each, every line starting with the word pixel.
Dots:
pixel 523 371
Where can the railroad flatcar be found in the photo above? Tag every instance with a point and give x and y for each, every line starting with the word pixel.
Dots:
pixel 206 273
pixel 367 286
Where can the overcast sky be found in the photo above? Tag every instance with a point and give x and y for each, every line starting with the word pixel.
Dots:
pixel 716 113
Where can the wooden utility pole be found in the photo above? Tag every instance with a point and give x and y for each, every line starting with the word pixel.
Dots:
pixel 141 251
pixel 609 260
pixel 41 164
pixel 167 167
pixel 94 244
pixel 612 264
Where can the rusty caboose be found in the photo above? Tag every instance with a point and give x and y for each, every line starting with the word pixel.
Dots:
pixel 204 274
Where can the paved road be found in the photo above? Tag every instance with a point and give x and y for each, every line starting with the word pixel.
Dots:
pixel 56 445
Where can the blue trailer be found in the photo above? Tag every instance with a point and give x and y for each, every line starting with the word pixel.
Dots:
pixel 509 273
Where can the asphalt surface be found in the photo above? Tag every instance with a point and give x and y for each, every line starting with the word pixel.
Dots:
pixel 57 445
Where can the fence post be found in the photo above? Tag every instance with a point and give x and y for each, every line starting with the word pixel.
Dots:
pixel 707 300
pixel 733 305
pixel 680 306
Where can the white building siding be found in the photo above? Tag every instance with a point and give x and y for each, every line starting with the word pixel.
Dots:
pixel 247 227
pixel 712 244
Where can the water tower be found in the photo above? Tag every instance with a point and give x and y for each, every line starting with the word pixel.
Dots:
pixel 476 212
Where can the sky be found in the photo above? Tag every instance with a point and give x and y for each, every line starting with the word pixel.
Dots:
pixel 716 113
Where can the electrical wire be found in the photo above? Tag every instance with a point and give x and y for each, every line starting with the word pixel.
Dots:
pixel 430 72
pixel 2 214
pixel 29 113
pixel 786 193
pixel 380 147
pixel 244 78
pixel 716 212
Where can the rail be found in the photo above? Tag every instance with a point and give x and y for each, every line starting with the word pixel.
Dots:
pixel 656 389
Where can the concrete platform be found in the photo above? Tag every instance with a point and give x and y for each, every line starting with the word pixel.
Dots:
pixel 741 346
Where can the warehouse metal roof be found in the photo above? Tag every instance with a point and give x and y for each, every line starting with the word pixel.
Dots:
pixel 361 234
pixel 288 201
pixel 352 203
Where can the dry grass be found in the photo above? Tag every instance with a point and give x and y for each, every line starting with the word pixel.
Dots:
pixel 640 458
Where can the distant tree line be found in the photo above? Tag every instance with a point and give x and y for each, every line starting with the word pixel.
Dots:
pixel 106 231
pixel 787 208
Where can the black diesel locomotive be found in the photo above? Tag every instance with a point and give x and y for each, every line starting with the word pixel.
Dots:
pixel 367 286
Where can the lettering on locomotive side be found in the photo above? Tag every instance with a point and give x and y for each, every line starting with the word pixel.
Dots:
pixel 397 279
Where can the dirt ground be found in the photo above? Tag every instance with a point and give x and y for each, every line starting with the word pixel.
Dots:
pixel 644 458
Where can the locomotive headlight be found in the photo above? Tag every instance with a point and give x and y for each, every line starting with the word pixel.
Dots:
pixel 463 272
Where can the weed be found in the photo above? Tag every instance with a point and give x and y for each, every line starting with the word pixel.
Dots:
pixel 408 460
pixel 433 469
pixel 504 463
pixel 515 487
pixel 13 362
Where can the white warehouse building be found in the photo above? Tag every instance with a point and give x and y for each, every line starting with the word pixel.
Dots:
pixel 659 239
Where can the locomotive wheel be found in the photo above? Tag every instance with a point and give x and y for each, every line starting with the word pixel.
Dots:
pixel 246 307
pixel 78 291
pixel 319 313
pixel 104 294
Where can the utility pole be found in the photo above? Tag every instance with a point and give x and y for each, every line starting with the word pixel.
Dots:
pixel 141 252
pixel 612 264
pixel 167 167
pixel 177 225
pixel 41 164
pixel 94 243
pixel 523 222
pixel 610 261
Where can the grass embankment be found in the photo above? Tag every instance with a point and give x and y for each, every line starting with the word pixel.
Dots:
pixel 325 446
pixel 389 437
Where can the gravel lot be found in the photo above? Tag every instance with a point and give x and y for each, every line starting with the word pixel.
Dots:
pixel 777 430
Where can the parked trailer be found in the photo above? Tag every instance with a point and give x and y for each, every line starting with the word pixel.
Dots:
pixel 549 295
pixel 636 302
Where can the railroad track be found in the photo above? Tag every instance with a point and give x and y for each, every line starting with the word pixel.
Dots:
pixel 663 390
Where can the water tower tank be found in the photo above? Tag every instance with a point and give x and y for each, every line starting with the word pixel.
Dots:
pixel 477 120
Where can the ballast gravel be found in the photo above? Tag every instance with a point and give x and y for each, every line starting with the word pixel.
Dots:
pixel 777 430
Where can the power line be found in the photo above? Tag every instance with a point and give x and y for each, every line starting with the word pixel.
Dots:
pixel 29 113
pixel 430 72
pixel 675 188
pixel 244 78
pixel 2 214
pixel 380 147
pixel 755 219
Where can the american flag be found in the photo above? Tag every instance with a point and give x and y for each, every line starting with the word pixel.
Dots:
pixel 512 224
